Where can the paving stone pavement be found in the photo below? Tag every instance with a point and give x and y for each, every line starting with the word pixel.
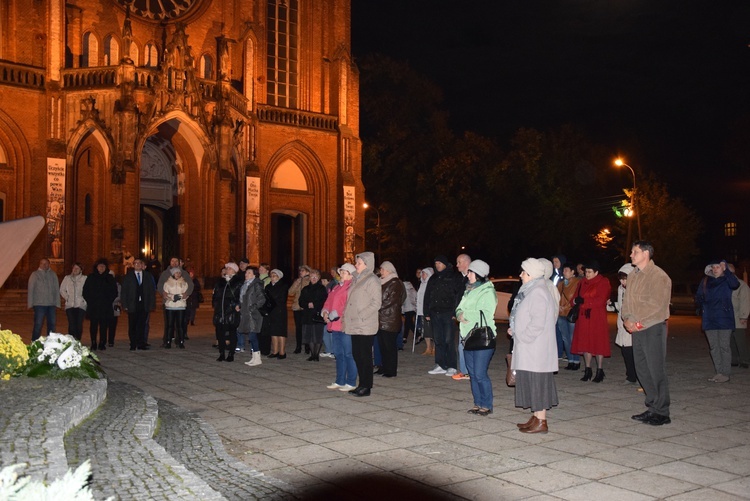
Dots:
pixel 413 434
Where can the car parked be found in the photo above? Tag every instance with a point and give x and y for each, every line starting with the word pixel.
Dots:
pixel 504 289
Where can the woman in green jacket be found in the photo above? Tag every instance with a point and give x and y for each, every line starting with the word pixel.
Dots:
pixel 479 298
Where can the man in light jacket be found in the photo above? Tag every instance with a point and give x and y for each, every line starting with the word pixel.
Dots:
pixel 44 298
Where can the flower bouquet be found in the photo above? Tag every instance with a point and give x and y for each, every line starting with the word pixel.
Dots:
pixel 61 356
pixel 13 354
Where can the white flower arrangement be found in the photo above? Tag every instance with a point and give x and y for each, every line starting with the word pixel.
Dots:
pixel 61 356
pixel 73 486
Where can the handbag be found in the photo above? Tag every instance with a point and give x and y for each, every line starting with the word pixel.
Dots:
pixel 510 374
pixel 481 337
pixel 572 315
pixel 269 305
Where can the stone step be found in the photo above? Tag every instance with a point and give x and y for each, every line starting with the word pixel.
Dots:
pixel 126 461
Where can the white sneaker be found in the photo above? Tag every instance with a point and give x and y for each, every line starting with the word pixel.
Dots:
pixel 334 386
pixel 326 354
pixel 347 387
pixel 450 372
pixel 437 370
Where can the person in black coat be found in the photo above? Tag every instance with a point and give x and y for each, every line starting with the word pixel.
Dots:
pixel 442 295
pixel 275 323
pixel 311 300
pixel 99 291
pixel 226 303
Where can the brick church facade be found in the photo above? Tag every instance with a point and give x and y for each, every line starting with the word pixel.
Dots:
pixel 206 129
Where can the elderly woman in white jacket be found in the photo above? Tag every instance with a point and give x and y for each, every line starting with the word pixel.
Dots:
pixel 176 302
pixel 71 290
pixel 532 325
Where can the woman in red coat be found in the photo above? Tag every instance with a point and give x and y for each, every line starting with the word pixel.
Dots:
pixel 591 335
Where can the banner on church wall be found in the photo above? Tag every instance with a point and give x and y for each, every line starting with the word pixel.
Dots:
pixel 350 212
pixel 55 208
pixel 252 220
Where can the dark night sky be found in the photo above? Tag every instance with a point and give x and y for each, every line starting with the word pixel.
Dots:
pixel 661 82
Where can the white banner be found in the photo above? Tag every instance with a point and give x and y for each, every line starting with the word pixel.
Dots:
pixel 252 220
pixel 55 208
pixel 350 212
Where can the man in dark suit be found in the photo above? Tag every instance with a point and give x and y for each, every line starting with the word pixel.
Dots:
pixel 138 299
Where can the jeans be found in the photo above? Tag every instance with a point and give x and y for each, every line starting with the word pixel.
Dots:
pixel 346 369
pixel 566 329
pixel 477 363
pixel 40 313
pixel 252 339
pixel 75 321
pixel 462 359
pixel 328 341
pixel 445 343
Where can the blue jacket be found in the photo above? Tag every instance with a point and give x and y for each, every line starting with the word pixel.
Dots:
pixel 715 298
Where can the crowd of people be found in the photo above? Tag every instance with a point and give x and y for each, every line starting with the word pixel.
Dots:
pixel 363 314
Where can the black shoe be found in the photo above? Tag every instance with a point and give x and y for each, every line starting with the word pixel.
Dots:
pixel 657 420
pixel 102 347
pixel 363 392
pixel 311 358
pixel 182 346
pixel 281 357
pixel 379 370
pixel 569 367
pixel 388 375
pixel 586 374
pixel 307 351
pixel 576 366
pixel 230 357
pixel 355 390
pixel 273 355
pixel 144 347
pixel 642 417
pixel 297 351
pixel 221 358
pixel 132 348
pixel 419 340
pixel 599 376
pixel 168 346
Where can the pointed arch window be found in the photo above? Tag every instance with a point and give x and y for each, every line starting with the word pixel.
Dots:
pixel 150 55
pixel 111 51
pixel 90 56
pixel 282 46
pixel 206 67
pixel 288 176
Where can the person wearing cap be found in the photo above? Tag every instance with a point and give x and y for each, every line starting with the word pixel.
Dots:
pixel 174 262
pixel 175 288
pixel 624 339
pixel 389 318
pixel 591 335
pixel 714 297
pixel 275 323
pixel 333 313
pixel 302 281
pixel 741 305
pixel 568 288
pixel 477 304
pixel 645 310
pixel 444 290
pixel 226 303
pixel 361 319
pixel 532 326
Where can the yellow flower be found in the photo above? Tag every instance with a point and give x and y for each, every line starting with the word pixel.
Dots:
pixel 13 354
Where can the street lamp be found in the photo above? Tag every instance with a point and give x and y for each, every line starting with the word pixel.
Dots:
pixel 377 226
pixel 620 163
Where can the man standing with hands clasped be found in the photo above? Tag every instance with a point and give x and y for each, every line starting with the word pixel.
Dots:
pixel 645 310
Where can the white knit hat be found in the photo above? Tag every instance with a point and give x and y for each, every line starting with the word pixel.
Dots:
pixel 480 268
pixel 533 267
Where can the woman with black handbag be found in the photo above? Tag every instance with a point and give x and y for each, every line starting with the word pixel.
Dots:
pixel 478 334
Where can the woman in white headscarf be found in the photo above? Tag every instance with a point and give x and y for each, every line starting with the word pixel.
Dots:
pixel 532 325
pixel 422 325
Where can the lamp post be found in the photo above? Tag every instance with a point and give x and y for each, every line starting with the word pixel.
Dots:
pixel 620 163
pixel 377 226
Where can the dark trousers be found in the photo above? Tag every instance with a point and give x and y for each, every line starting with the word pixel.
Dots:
pixel 362 353
pixel 445 344
pixel 112 330
pixel 298 327
pixel 650 353
pixel 137 327
pixel 75 321
pixel 226 333
pixel 264 340
pixel 388 352
pixel 175 327
pixel 627 356
pixel 99 325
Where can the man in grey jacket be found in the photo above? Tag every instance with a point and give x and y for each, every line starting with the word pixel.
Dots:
pixel 43 297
